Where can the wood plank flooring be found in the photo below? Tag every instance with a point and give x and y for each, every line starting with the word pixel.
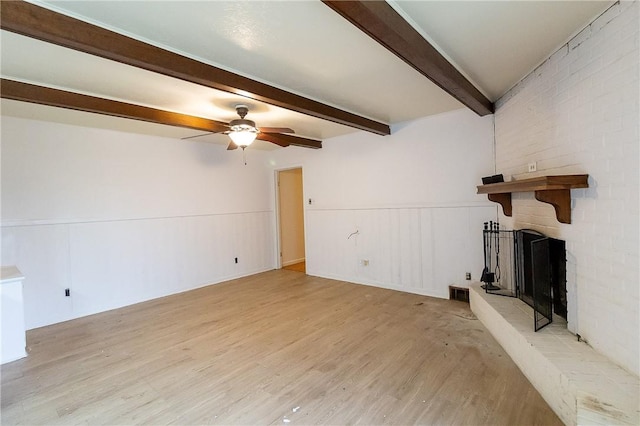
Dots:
pixel 298 267
pixel 279 347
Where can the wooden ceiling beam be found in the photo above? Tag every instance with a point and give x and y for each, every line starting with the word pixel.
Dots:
pixel 286 140
pixel 43 24
pixel 381 22
pixel 25 92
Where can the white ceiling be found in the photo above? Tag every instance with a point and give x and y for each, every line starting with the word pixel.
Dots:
pixel 497 43
pixel 303 47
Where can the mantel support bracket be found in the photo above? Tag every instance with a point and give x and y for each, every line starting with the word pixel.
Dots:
pixel 560 199
pixel 554 190
pixel 504 200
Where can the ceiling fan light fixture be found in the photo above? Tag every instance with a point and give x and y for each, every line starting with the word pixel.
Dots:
pixel 243 138
pixel 242 132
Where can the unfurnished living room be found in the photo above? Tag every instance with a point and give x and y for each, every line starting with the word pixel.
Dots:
pixel 320 212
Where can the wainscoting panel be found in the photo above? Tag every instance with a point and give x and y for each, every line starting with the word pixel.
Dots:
pixel 418 250
pixel 331 243
pixel 429 285
pixel 110 264
pixel 41 253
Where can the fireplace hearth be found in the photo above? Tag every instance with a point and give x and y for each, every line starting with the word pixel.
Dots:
pixel 528 265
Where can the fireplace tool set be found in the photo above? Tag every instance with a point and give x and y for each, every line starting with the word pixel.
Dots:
pixel 489 276
pixel 498 275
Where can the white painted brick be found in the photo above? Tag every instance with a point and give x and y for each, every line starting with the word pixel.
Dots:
pixel 624 4
pixel 580 38
pixel 559 55
pixel 606 17
pixel 579 113
pixel 565 371
pixel 579 63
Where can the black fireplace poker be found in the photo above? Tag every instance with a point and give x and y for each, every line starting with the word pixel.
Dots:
pixel 488 277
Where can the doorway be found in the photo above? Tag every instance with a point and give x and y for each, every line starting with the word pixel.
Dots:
pixel 291 219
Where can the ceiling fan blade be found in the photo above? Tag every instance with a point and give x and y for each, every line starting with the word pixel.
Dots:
pixel 276 130
pixel 196 136
pixel 205 134
pixel 232 146
pixel 286 140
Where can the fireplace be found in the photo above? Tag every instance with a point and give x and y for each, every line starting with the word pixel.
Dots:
pixel 528 265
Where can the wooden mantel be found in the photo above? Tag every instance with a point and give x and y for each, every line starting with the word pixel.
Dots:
pixel 554 190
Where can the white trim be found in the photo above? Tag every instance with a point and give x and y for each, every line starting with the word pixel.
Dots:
pixel 416 206
pixel 220 280
pixel 276 218
pixel 293 262
pixel 277 242
pixel 39 222
pixel 352 280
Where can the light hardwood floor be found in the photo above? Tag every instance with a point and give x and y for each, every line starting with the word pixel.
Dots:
pixel 297 267
pixel 279 347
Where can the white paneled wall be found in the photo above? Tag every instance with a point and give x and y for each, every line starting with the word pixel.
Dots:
pixel 42 254
pixel 112 264
pixel 579 113
pixel 411 197
pixel 418 250
pixel 121 218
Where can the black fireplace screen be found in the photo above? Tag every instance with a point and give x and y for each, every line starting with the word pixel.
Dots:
pixel 526 264
pixel 541 283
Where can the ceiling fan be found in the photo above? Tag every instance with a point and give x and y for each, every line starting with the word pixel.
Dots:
pixel 243 132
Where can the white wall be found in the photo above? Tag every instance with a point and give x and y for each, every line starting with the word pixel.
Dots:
pixel 410 195
pixel 291 211
pixel 119 218
pixel 578 113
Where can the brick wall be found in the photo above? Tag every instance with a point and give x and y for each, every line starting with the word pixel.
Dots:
pixel 578 112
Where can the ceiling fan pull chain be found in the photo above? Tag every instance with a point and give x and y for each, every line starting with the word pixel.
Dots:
pixel 244 156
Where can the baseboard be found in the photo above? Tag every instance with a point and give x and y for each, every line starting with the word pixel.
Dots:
pixel 293 262
pixel 217 280
pixel 378 284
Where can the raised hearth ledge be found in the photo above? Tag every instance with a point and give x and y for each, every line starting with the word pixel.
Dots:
pixel 579 384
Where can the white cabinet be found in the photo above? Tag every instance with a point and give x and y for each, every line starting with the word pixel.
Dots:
pixel 12 315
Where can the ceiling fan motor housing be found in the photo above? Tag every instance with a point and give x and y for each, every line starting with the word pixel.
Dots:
pixel 242 125
pixel 242 110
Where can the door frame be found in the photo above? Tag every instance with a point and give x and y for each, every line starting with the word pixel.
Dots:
pixel 278 243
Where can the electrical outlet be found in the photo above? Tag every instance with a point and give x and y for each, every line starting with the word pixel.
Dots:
pixel 533 166
pixel 236 260
pixel 467 276
pixel 67 292
pixel 365 262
